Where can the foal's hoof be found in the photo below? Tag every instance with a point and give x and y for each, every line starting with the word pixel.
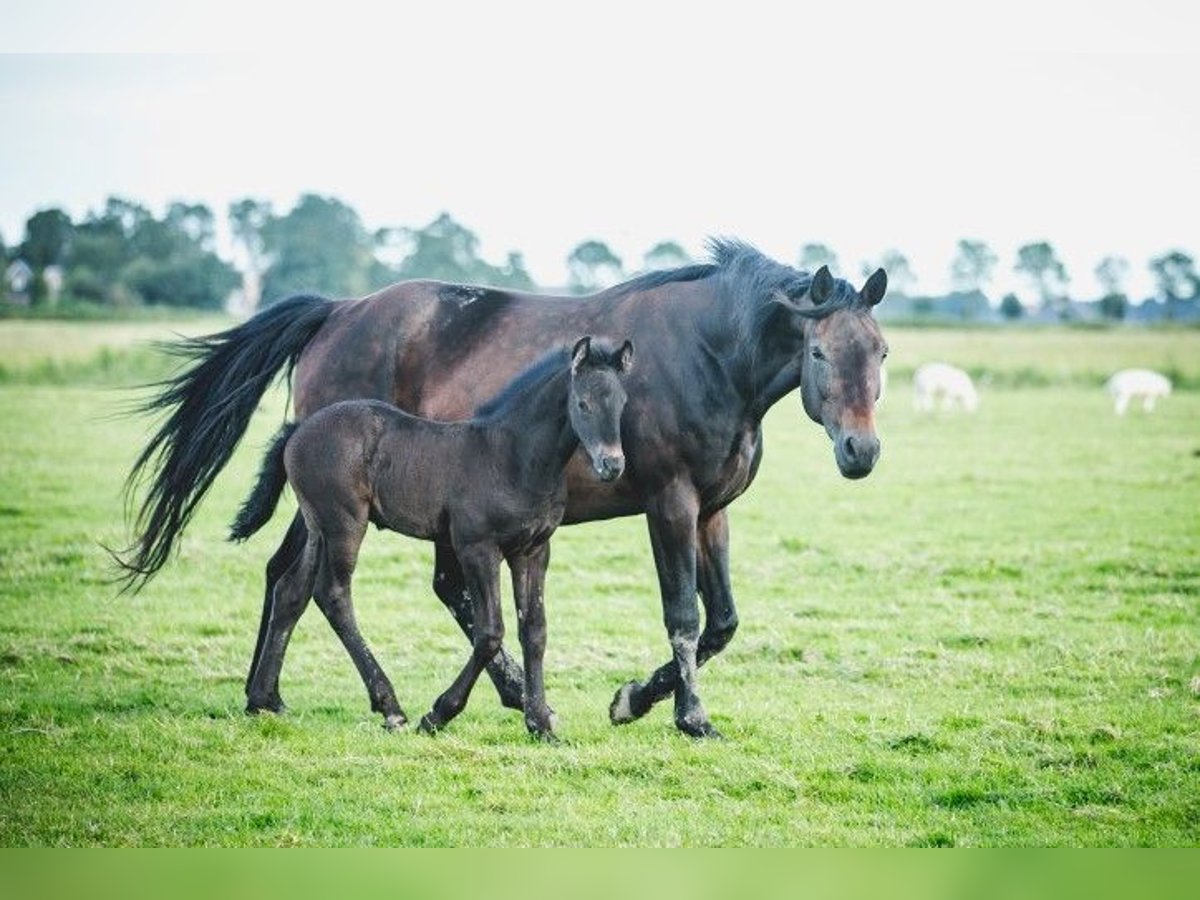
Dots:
pixel 699 730
pixel 621 711
pixel 395 721
pixel 428 725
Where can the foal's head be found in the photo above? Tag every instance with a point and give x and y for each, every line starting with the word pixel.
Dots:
pixel 596 400
pixel 840 377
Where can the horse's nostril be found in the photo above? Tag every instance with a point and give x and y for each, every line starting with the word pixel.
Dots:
pixel 848 446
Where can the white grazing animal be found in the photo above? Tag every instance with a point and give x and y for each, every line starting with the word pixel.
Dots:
pixel 950 384
pixel 1129 384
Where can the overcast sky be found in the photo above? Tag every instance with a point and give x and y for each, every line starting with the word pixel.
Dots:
pixel 1076 123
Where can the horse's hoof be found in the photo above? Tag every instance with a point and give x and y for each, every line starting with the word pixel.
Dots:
pixel 620 711
pixel 428 726
pixel 395 721
pixel 273 705
pixel 701 730
pixel 546 736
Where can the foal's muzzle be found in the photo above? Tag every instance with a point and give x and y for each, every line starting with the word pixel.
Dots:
pixel 609 468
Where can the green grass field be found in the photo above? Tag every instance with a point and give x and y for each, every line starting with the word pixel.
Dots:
pixel 993 640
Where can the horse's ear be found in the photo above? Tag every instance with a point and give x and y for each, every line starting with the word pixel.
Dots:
pixel 822 286
pixel 625 357
pixel 579 354
pixel 875 287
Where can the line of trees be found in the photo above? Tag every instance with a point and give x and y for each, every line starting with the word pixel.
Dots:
pixel 122 255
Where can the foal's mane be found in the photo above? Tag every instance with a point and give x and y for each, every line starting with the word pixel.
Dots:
pixel 533 377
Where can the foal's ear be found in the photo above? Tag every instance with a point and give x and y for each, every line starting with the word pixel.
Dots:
pixel 822 286
pixel 625 357
pixel 875 287
pixel 579 355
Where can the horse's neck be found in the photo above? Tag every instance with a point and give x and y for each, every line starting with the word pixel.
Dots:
pixel 761 367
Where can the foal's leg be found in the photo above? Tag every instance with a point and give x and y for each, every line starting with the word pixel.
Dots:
pixel 342 543
pixel 481 565
pixel 529 582
pixel 292 546
pixel 450 585
pixel 291 595
pixel 634 700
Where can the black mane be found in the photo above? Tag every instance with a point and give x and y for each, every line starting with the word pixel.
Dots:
pixel 553 363
pixel 751 279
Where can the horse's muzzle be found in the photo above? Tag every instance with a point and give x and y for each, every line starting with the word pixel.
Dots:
pixel 856 454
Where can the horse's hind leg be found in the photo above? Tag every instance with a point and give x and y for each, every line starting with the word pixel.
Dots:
pixel 291 595
pixel 481 565
pixel 333 597
pixel 293 545
pixel 450 585
pixel 529 583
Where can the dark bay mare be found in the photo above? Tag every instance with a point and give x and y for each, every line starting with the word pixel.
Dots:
pixel 490 488
pixel 730 338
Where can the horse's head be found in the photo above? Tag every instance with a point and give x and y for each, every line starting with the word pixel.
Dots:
pixel 842 352
pixel 596 400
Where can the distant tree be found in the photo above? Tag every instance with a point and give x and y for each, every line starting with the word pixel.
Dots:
pixel 900 277
pixel 47 241
pixel 247 219
pixel 320 246
pixel 1111 272
pixel 515 275
pixel 1046 273
pixel 1177 280
pixel 592 266
pixel 971 268
pixel 1011 308
pixel 1114 306
pixel 446 250
pixel 815 255
pixel 443 249
pixel 123 255
pixel 665 255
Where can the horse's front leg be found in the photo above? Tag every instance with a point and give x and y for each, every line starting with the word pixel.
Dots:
pixel 671 517
pixel 481 567
pixel 450 585
pixel 529 582
pixel 634 700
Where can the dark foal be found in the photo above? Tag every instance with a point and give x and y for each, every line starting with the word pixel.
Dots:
pixel 491 488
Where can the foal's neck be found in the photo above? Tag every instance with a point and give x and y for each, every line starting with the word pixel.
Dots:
pixel 542 438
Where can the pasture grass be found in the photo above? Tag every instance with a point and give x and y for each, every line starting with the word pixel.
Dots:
pixel 993 640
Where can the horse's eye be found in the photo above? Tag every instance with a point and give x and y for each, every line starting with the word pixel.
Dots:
pixel 817 354
pixel 584 405
pixel 885 355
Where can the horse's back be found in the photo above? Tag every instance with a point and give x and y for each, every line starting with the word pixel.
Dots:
pixel 433 348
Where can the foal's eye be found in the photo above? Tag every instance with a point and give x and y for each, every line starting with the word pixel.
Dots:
pixel 817 354
pixel 584 405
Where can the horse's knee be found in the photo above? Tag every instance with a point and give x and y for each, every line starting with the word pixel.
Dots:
pixel 487 643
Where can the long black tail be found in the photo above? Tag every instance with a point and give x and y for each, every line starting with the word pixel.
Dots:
pixel 210 402
pixel 260 505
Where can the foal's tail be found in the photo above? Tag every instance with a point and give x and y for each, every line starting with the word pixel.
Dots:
pixel 260 505
pixel 210 404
